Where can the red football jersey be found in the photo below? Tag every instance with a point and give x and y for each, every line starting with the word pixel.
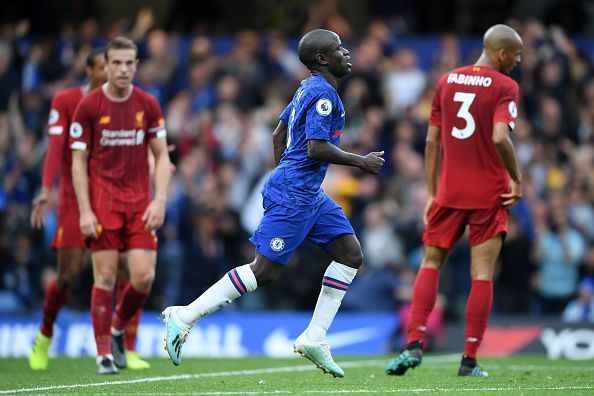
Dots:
pixel 115 132
pixel 59 156
pixel 466 104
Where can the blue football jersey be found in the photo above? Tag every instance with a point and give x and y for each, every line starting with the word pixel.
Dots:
pixel 316 112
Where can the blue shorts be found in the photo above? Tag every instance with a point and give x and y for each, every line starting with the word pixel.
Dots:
pixel 283 229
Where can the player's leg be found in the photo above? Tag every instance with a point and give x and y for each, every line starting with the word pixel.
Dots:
pixel 335 234
pixel 133 360
pixel 70 262
pixel 444 227
pixel 280 232
pixel 234 284
pixel 486 232
pixel 105 263
pixel 423 301
pixel 141 266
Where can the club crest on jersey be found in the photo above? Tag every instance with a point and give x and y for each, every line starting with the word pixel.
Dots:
pixel 139 118
pixel 513 109
pixel 76 130
pixel 277 244
pixel 54 116
pixel 104 120
pixel 324 107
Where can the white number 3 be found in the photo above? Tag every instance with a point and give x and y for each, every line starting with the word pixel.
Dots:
pixel 466 99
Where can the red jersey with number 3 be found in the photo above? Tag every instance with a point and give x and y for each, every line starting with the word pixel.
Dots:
pixel 116 132
pixel 59 157
pixel 466 104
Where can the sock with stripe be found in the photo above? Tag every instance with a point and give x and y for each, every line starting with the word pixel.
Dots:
pixel 234 284
pixel 478 307
pixel 335 283
pixel 52 303
pixel 423 301
pixel 101 307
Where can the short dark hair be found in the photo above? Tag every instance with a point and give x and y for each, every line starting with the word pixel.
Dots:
pixel 121 42
pixel 93 54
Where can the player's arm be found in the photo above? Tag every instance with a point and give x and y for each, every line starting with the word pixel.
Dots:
pixel 57 135
pixel 80 181
pixel 154 215
pixel 279 141
pixel 507 154
pixel 432 158
pixel 323 150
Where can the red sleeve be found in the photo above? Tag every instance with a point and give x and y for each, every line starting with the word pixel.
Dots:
pixel 156 122
pixel 81 128
pixel 57 129
pixel 506 109
pixel 435 117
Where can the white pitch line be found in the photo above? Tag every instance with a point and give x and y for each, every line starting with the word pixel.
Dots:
pixel 402 390
pixel 355 363
pixel 520 367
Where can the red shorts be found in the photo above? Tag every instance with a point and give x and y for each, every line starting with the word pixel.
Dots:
pixel 123 232
pixel 446 225
pixel 68 233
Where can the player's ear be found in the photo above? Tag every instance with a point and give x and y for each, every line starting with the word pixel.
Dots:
pixel 501 55
pixel 321 59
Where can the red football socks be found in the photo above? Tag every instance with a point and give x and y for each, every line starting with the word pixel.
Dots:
pixel 129 303
pixel 423 300
pixel 101 311
pixel 53 302
pixel 130 331
pixel 477 315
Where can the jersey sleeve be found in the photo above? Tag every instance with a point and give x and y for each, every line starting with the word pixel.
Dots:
pixel 435 116
pixel 318 121
pixel 81 129
pixel 506 109
pixel 155 120
pixel 57 133
pixel 284 117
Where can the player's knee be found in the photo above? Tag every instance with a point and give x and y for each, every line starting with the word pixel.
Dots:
pixel 105 281
pixel 144 280
pixel 353 258
pixel 266 272
pixel 65 281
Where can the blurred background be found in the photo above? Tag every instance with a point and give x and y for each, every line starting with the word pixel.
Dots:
pixel 223 72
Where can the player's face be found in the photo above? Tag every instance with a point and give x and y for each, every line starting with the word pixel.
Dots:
pixel 338 59
pixel 97 73
pixel 121 67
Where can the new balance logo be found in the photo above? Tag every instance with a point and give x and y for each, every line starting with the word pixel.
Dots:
pixel 472 339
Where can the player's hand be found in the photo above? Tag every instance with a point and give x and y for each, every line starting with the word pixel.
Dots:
pixel 154 215
pixel 514 195
pixel 39 208
pixel 428 206
pixel 373 162
pixel 89 226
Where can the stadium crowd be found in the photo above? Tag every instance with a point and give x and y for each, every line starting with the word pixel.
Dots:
pixel 222 97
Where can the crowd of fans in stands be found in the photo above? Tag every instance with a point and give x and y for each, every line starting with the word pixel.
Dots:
pixel 222 97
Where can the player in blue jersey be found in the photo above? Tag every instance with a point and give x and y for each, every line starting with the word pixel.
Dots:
pixel 295 207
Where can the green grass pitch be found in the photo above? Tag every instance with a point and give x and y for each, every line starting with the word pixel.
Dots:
pixel 262 376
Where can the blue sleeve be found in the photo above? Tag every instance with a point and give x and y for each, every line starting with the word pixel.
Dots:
pixel 284 117
pixel 318 121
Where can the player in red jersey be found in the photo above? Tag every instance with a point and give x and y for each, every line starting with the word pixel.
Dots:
pixel 68 241
pixel 474 108
pixel 111 131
